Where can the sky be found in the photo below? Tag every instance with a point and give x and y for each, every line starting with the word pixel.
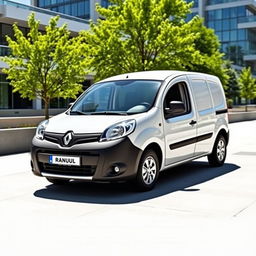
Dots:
pixel 22 1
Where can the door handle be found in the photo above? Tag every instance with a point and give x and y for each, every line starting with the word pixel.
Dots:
pixel 192 122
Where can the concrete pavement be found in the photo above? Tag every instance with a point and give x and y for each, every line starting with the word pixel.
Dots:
pixel 194 210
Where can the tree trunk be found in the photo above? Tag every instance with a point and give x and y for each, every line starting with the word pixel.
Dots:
pixel 246 106
pixel 46 109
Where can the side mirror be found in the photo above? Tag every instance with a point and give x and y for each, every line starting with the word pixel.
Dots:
pixel 70 104
pixel 175 108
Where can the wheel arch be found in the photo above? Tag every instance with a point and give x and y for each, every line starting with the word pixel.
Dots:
pixel 224 133
pixel 157 149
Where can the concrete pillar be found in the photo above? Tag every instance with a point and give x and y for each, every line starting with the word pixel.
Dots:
pixel 93 14
pixel 201 8
pixel 37 103
pixel 33 2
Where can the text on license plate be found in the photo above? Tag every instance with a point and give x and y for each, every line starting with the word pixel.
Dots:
pixel 64 160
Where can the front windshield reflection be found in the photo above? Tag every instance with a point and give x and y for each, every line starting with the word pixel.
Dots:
pixel 118 97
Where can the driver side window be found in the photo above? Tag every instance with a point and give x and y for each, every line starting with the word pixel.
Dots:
pixel 177 102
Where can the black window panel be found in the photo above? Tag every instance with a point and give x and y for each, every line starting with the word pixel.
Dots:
pixel 178 92
pixel 20 103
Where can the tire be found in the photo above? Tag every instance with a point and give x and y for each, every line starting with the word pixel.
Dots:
pixel 58 181
pixel 148 171
pixel 218 155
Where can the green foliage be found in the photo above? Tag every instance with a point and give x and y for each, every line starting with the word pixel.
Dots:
pixel 137 35
pixel 45 65
pixel 209 58
pixel 235 54
pixel 247 85
pixel 232 87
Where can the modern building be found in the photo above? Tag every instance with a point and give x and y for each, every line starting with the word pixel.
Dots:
pixel 84 9
pixel 10 13
pixel 234 22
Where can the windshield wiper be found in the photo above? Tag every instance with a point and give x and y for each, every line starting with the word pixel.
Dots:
pixel 108 113
pixel 77 112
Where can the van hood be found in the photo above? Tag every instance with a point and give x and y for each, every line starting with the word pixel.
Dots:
pixel 83 123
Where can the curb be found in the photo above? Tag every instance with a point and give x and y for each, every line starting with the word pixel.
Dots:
pixel 234 117
pixel 16 140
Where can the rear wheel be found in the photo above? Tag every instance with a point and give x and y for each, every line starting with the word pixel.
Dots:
pixel 58 181
pixel 148 171
pixel 218 155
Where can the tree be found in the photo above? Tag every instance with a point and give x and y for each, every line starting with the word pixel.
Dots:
pixel 209 58
pixel 247 85
pixel 46 65
pixel 137 35
pixel 232 87
pixel 235 53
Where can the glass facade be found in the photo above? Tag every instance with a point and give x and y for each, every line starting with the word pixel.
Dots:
pixel 4 92
pixel 235 43
pixel 63 103
pixel 195 5
pixel 77 8
pixel 6 30
pixel 212 2
pixel 9 99
pixel 191 15
pixel 104 3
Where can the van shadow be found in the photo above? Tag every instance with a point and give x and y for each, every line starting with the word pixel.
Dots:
pixel 175 179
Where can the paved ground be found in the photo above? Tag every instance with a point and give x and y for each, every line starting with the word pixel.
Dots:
pixel 194 210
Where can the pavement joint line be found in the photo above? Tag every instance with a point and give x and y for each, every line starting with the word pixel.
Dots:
pixel 245 208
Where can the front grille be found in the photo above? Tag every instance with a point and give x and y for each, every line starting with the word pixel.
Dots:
pixel 68 153
pixel 85 170
pixel 78 138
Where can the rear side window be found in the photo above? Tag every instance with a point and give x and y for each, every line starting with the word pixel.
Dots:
pixel 201 94
pixel 216 94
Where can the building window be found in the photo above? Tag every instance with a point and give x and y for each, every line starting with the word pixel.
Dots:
pixel 105 3
pixel 224 21
pixel 233 35
pixel 10 100
pixel 225 24
pixel 195 5
pixel 4 94
pixel 77 8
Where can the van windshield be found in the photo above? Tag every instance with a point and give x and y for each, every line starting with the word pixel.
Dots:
pixel 117 98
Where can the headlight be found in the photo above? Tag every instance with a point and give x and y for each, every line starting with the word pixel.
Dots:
pixel 118 130
pixel 40 129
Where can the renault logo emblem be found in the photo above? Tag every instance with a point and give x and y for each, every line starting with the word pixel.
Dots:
pixel 67 138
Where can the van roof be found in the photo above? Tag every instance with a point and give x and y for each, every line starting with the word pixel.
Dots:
pixel 154 75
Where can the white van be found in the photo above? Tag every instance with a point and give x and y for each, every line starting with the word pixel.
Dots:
pixel 133 126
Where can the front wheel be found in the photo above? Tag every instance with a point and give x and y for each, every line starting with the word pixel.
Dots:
pixel 148 171
pixel 218 155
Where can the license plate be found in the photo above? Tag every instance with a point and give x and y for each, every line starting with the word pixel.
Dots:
pixel 64 160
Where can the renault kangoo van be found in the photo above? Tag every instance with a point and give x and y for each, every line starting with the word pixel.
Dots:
pixel 132 126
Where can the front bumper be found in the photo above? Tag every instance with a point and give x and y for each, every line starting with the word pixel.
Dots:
pixel 96 164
